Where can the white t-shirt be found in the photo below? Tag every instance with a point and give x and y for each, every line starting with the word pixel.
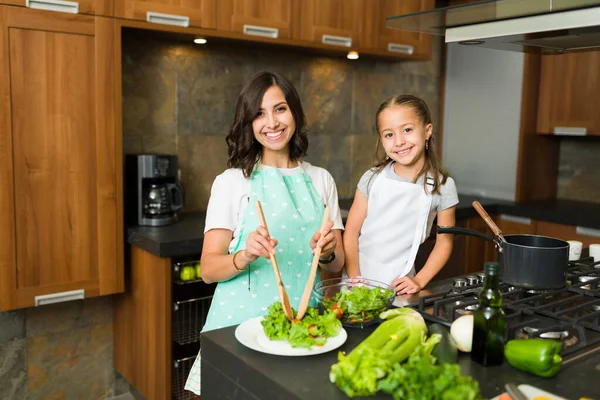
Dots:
pixel 230 195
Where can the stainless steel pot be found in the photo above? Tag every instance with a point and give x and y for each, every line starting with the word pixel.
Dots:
pixel 529 261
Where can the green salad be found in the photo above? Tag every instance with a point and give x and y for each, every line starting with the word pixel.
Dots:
pixel 312 329
pixel 360 304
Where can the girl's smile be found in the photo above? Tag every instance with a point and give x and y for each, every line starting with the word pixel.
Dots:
pixel 403 137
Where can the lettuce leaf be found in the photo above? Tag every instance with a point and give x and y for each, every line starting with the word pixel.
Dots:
pixel 312 330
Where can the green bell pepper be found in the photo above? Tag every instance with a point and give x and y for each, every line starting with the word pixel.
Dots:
pixel 540 357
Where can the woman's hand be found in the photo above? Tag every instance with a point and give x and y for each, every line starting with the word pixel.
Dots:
pixel 259 244
pixel 406 285
pixel 326 240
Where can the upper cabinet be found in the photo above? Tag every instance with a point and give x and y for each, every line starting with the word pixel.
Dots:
pixel 393 41
pixel 197 13
pixel 93 7
pixel 61 225
pixel 569 83
pixel 265 18
pixel 332 22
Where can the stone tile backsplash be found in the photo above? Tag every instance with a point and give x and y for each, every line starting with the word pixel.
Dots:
pixel 180 98
pixel 579 169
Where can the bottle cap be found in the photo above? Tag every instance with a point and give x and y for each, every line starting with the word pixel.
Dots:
pixel 492 268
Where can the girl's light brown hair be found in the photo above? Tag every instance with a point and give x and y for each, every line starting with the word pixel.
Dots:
pixel 432 165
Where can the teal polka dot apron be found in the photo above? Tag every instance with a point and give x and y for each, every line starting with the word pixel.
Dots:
pixel 293 211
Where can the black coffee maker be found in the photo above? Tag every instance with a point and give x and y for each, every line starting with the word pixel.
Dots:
pixel 153 195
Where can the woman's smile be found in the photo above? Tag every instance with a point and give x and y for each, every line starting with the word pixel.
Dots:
pixel 275 135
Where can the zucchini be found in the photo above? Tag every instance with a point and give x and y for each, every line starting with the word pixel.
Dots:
pixel 445 351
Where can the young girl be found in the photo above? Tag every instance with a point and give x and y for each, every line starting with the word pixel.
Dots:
pixel 266 143
pixel 398 199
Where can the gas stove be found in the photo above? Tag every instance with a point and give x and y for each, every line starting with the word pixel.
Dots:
pixel 570 315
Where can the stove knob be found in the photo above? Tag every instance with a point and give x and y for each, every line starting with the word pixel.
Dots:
pixel 472 280
pixel 459 282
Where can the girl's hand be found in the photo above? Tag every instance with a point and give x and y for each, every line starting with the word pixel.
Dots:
pixel 327 241
pixel 259 244
pixel 406 285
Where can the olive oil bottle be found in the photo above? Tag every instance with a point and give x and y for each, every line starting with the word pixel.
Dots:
pixel 489 321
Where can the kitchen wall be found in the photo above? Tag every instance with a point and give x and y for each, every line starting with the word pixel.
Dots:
pixel 60 351
pixel 578 177
pixel 180 98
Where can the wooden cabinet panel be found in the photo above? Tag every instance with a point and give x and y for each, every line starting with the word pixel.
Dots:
pixel 335 22
pixel 65 172
pixel 201 13
pixel 510 224
pixel 455 265
pixel 569 232
pixel 376 35
pixel 567 84
pixel 94 7
pixel 259 17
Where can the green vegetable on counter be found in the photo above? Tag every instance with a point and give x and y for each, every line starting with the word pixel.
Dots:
pixel 540 357
pixel 420 378
pixel 313 329
pixel 391 343
pixel 445 351
pixel 359 304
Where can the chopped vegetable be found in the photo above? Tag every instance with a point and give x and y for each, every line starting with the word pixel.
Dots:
pixel 392 342
pixel 313 329
pixel 420 378
pixel 505 396
pixel 445 351
pixel 462 332
pixel 360 304
pixel 540 357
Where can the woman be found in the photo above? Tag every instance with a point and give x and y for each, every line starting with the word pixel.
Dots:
pixel 266 144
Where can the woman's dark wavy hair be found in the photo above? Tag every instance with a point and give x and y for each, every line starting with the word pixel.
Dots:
pixel 243 149
pixel 432 164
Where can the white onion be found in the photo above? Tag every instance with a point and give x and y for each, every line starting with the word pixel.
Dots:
pixel 461 331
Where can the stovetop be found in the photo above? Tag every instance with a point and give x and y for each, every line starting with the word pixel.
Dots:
pixel 570 315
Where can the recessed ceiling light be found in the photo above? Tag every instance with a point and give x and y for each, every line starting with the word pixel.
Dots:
pixel 471 42
pixel 200 41
pixel 352 55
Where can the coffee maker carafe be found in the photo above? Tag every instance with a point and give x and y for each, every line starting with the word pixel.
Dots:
pixel 153 195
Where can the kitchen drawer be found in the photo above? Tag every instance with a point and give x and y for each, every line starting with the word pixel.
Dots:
pixel 569 232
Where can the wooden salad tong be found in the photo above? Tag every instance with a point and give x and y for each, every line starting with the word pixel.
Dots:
pixel 285 301
pixel 313 270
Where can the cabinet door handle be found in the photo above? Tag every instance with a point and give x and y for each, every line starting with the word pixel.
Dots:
pixel 400 48
pixel 337 40
pixel 54 5
pixel 59 297
pixel 167 19
pixel 513 218
pixel 569 131
pixel 580 230
pixel 264 31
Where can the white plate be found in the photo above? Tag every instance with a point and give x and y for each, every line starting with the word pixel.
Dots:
pixel 252 335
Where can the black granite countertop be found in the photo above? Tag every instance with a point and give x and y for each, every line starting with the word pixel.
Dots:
pixel 232 371
pixel 185 237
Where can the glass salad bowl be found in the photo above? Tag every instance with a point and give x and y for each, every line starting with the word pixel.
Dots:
pixel 357 302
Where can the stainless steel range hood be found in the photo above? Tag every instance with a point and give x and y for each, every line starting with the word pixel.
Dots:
pixel 541 26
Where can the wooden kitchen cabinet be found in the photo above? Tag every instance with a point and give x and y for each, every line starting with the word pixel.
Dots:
pixel 569 232
pixel 332 22
pixel 197 13
pixel 376 36
pixel 92 7
pixel 60 162
pixel 274 18
pixel 567 83
pixel 477 250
